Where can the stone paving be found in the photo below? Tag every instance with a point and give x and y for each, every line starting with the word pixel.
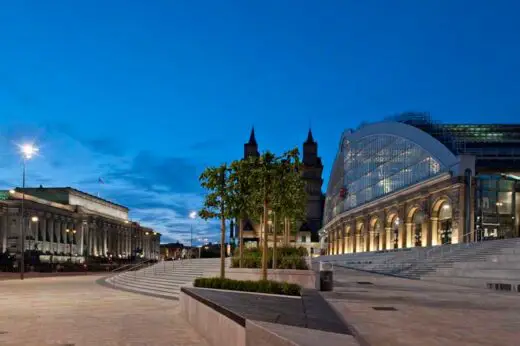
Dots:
pixel 77 311
pixel 426 313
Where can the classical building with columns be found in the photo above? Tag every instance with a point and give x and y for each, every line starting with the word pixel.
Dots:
pixel 69 223
pixel 408 181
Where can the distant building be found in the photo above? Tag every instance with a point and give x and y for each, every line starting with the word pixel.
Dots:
pixel 307 231
pixel 70 223
pixel 409 181
pixel 171 250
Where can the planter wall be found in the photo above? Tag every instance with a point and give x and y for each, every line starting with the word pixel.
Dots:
pixel 304 278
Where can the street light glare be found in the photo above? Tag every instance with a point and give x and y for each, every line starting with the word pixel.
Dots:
pixel 28 150
pixel 34 219
pixel 193 215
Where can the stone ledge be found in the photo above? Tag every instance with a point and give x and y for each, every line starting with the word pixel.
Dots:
pixel 222 325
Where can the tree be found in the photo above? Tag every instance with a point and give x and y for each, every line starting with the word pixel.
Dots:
pixel 263 176
pixel 289 198
pixel 240 201
pixel 274 180
pixel 216 203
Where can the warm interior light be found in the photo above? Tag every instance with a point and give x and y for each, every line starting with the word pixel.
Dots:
pixel 12 191
pixel 34 219
pixel 446 206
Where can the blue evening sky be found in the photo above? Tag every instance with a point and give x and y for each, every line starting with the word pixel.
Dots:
pixel 145 94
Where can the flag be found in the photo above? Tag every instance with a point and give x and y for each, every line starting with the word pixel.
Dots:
pixel 101 181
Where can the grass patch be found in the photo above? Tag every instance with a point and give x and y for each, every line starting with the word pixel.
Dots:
pixel 260 286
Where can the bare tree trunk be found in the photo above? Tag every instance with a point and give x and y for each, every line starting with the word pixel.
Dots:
pixel 288 232
pixel 241 244
pixel 284 239
pixel 222 247
pixel 275 239
pixel 264 249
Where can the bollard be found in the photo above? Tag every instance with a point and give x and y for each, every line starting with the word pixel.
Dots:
pixel 326 276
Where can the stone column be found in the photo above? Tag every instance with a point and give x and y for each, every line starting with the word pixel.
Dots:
pixel 410 239
pixel 372 243
pixel 3 232
pixel 50 229
pixel 81 237
pixel 57 234
pixel 389 238
pixel 329 247
pixel 432 237
pixel 105 240
pixel 93 231
pixel 343 240
pixel 358 242
pixel 120 241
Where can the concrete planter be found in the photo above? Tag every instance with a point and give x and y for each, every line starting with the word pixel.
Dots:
pixel 304 278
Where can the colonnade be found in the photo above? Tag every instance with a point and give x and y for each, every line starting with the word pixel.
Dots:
pixel 425 223
pixel 57 234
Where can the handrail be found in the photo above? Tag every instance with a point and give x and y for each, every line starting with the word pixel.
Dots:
pixel 135 266
pixel 121 267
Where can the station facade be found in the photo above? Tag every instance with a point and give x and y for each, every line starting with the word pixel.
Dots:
pixel 409 181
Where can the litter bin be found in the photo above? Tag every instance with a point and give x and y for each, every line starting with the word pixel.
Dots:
pixel 326 277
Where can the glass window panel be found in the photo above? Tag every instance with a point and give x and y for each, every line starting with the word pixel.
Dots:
pixel 375 166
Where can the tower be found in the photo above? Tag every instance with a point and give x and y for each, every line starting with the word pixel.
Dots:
pixel 251 147
pixel 312 170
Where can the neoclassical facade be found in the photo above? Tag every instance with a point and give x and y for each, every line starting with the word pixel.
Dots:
pixel 409 182
pixel 68 222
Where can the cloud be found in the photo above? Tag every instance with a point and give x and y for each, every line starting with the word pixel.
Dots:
pixel 159 191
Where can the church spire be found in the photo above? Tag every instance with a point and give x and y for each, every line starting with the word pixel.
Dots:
pixel 252 139
pixel 251 147
pixel 310 139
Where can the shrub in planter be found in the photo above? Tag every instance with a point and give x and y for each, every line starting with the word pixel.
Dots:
pixel 260 286
pixel 287 258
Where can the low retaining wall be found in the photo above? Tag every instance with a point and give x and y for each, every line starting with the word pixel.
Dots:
pixel 216 324
pixel 304 278
pixel 220 326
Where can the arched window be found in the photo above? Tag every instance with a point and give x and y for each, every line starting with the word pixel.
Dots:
pixel 417 222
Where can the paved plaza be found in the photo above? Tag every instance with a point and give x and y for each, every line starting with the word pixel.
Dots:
pixel 426 313
pixel 77 311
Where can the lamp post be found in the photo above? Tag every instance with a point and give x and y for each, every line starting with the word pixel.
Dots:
pixel 27 151
pixel 193 216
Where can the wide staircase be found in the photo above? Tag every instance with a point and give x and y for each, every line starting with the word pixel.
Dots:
pixel 163 279
pixel 493 264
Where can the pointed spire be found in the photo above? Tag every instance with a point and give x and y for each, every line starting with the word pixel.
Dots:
pixel 252 139
pixel 310 139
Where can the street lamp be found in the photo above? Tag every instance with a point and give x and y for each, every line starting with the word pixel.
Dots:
pixel 193 216
pixel 28 151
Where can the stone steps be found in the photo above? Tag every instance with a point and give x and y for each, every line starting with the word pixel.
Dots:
pixel 163 279
pixel 472 263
